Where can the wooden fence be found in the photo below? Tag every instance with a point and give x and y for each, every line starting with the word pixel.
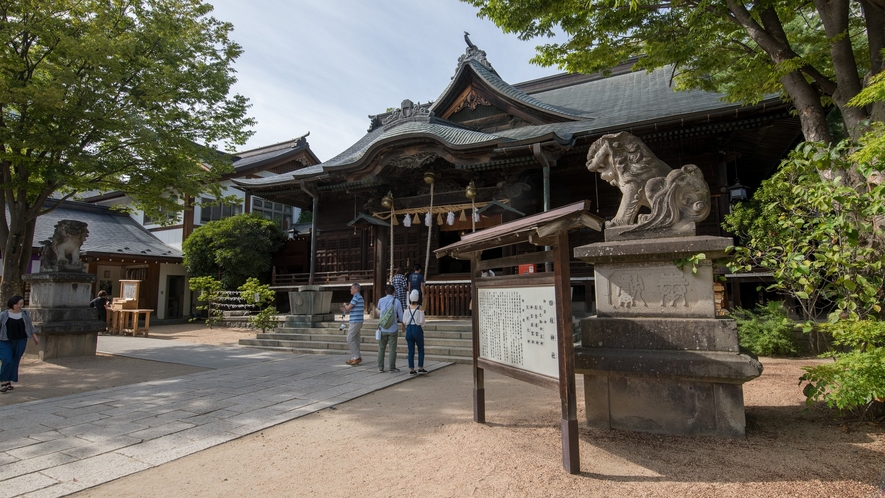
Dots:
pixel 447 299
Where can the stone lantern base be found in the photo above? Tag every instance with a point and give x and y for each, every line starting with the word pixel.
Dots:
pixel 59 308
pixel 310 304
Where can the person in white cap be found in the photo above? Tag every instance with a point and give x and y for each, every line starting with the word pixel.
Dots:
pixel 414 320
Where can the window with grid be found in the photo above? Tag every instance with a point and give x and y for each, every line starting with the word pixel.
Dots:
pixel 217 212
pixel 165 218
pixel 280 213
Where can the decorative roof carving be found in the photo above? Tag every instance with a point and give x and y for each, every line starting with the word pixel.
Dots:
pixel 414 161
pixel 407 110
pixel 474 53
pixel 471 100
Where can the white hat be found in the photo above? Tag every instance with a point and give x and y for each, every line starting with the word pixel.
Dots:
pixel 414 296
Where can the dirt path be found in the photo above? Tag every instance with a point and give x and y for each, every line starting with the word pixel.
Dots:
pixel 418 439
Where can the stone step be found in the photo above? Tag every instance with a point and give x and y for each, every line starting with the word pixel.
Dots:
pixel 368 356
pixel 366 346
pixel 453 326
pixel 432 338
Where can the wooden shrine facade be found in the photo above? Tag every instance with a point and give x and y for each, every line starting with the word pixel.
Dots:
pixel 488 152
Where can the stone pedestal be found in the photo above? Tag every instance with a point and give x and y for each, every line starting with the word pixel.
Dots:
pixel 655 358
pixel 59 307
pixel 310 304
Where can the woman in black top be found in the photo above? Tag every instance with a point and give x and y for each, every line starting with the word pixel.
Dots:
pixel 101 305
pixel 15 329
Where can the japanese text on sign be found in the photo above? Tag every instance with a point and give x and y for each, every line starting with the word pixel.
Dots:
pixel 517 327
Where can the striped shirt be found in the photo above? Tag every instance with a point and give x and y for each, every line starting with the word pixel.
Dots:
pixel 359 308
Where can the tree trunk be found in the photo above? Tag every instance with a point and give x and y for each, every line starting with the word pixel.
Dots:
pixel 834 15
pixel 16 253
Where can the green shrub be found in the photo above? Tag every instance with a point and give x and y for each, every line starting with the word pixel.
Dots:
pixel 856 379
pixel 210 293
pixel 766 331
pixel 253 292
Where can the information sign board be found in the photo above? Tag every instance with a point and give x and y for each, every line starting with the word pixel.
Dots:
pixel 517 327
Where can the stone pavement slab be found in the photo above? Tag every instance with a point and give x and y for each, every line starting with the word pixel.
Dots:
pixel 197 355
pixel 58 446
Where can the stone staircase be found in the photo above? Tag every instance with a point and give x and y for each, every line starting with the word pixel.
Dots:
pixel 444 340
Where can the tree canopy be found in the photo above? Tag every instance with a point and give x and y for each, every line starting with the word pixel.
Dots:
pixel 233 249
pixel 815 54
pixel 110 96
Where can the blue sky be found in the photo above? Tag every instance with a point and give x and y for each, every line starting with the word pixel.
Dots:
pixel 323 66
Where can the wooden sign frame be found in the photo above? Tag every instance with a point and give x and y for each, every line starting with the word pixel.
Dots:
pixel 545 229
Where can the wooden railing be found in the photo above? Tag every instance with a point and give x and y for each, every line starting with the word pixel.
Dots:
pixel 447 298
pixel 364 277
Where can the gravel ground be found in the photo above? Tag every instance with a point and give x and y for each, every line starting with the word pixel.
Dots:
pixel 418 438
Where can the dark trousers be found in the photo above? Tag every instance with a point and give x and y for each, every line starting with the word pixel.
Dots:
pixel 11 353
pixel 415 337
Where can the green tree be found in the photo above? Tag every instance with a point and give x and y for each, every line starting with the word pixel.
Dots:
pixel 305 216
pixel 814 53
pixel 233 249
pixel 815 236
pixel 110 95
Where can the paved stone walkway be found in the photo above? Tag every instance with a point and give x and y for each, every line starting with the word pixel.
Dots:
pixel 58 446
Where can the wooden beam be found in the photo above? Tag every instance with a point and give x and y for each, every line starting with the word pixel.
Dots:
pixel 519 259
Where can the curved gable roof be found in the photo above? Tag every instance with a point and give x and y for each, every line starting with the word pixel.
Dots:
pixel 474 68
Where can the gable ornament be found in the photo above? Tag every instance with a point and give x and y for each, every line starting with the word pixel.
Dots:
pixel 471 100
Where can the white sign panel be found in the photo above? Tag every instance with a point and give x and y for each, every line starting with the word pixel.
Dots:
pixel 517 327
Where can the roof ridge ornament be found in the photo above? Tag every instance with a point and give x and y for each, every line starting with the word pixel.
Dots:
pixel 408 110
pixel 474 53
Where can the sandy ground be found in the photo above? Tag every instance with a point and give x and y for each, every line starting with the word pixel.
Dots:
pixel 418 438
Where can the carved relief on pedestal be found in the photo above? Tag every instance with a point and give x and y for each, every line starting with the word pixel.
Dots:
pixel 626 291
pixel 673 288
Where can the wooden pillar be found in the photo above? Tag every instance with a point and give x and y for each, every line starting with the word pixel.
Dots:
pixel 379 255
pixel 570 456
pixel 479 389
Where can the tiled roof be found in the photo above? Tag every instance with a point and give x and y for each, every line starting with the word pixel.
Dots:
pixel 591 106
pixel 451 135
pixel 633 98
pixel 261 155
pixel 110 232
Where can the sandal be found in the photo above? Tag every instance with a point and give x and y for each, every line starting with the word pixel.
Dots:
pixel 5 387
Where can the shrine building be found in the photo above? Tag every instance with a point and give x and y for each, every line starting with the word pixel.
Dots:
pixel 488 151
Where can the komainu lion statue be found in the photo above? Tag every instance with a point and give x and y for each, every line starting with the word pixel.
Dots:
pixel 677 198
pixel 62 251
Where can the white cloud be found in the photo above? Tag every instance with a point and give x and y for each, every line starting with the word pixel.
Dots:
pixel 323 66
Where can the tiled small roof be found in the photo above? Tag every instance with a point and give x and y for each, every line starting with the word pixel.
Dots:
pixel 110 232
pixel 270 153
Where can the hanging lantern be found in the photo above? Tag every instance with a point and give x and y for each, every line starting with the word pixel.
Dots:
pixel 470 193
pixel 387 200
pixel 428 219
pixel 463 216
pixel 416 220
pixel 450 218
pixel 407 221
pixel 429 177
